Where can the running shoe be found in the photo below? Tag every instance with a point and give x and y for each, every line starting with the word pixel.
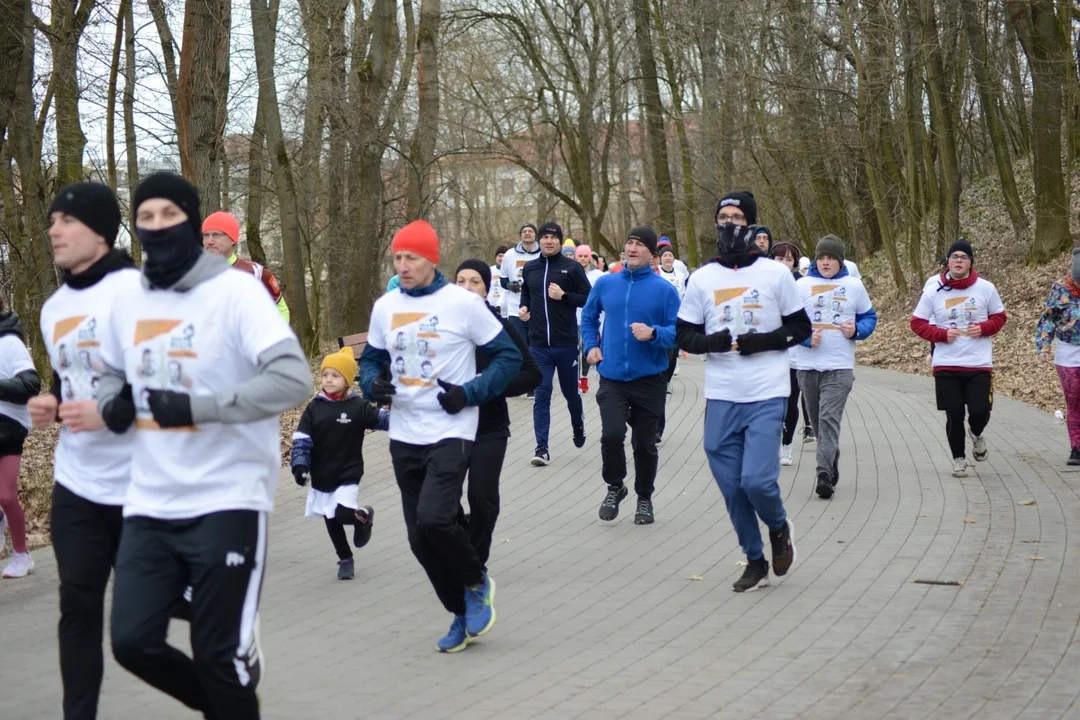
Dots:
pixel 676 373
pixel 609 509
pixel 785 455
pixel 365 523
pixel 825 485
pixel 541 457
pixel 346 569
pixel 754 576
pixel 669 390
pixel 456 639
pixel 579 436
pixel 3 527
pixel 1074 459
pixel 959 467
pixel 808 434
pixel 583 385
pixel 783 548
pixel 644 514
pixel 978 447
pixel 659 437
pixel 20 566
pixel 480 607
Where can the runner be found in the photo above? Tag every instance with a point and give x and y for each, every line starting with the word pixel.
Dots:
pixel 221 233
pixel 92 465
pixel 840 313
pixel 328 452
pixel 738 304
pixel 495 295
pixel 959 312
pixel 200 360
pixel 1060 320
pixel 587 261
pixel 553 287
pixel 510 276
pixel 18 383
pixel 493 429
pixel 789 255
pixel 432 432
pixel 680 266
pixel 763 240
pixel 631 357
pixel 669 271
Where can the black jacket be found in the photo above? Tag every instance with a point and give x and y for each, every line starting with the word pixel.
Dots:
pixel 16 390
pixel 553 323
pixel 330 439
pixel 494 415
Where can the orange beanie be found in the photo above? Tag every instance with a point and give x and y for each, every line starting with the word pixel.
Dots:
pixel 223 222
pixel 418 237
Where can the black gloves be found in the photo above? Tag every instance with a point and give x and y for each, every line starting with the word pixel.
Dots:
pixel 453 400
pixel 382 387
pixel 119 413
pixel 751 343
pixel 515 286
pixel 170 409
pixel 302 474
pixel 718 342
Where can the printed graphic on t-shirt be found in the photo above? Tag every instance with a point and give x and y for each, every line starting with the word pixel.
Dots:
pixel 961 312
pixel 411 349
pixel 738 310
pixel 166 353
pixel 831 307
pixel 78 357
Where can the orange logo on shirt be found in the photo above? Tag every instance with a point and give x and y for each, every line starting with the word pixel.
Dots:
pixel 818 289
pixel 63 327
pixel 150 329
pixel 951 302
pixel 724 294
pixel 401 319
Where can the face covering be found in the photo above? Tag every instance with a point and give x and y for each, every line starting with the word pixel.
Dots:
pixel 170 253
pixel 735 244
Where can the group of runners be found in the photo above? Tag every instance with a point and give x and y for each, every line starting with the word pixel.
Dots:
pixel 168 383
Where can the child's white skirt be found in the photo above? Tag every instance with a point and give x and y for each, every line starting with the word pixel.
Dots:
pixel 324 504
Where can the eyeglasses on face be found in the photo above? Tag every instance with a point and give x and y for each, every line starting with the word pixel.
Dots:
pixel 959 256
pixel 721 219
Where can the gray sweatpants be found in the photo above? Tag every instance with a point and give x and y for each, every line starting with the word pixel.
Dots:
pixel 826 393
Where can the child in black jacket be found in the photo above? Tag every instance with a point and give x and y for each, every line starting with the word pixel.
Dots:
pixel 328 451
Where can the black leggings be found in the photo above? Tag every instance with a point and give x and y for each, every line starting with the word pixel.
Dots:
pixel 958 391
pixel 485 467
pixel 339 538
pixel 791 419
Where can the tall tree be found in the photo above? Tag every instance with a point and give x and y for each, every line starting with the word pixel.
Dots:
pixel 422 150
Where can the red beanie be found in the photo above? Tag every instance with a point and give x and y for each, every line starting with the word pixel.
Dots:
pixel 223 222
pixel 417 237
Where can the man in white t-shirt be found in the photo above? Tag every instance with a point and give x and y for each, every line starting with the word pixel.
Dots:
pixel 825 362
pixel 747 379
pixel 199 359
pixel 510 271
pixel 420 359
pixel 92 466
pixel 585 258
pixel 497 294
pixel 959 312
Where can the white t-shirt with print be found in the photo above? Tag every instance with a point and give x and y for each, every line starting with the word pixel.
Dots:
pixel 496 293
pixel 958 309
pixel 750 299
pixel 204 341
pixel 95 465
pixel 830 303
pixel 675 278
pixel 14 359
pixel 431 337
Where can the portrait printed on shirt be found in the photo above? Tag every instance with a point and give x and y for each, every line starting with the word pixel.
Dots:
pixel 963 311
pixel 163 356
pixel 738 310
pixel 832 306
pixel 411 351
pixel 77 350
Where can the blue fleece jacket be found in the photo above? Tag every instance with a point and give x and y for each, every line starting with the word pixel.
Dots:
pixel 864 322
pixel 626 297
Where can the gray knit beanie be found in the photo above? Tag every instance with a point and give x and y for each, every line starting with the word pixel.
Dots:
pixel 832 246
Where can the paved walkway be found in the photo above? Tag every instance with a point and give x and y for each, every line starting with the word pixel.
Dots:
pixel 609 620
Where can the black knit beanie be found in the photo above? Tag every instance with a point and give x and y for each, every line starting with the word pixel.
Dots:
pixel 479 266
pixel 645 235
pixel 743 200
pixel 175 188
pixel 528 225
pixel 92 204
pixel 550 228
pixel 963 246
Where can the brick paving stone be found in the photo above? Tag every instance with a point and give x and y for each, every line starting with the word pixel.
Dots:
pixel 602 620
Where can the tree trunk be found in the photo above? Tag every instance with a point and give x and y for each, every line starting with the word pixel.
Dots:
pixel 256 163
pixel 110 100
pixel 64 32
pixel 292 253
pixel 941 125
pixel 14 15
pixel 168 53
pixel 130 143
pixel 422 150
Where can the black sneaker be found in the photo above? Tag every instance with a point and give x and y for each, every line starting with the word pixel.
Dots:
pixel 541 457
pixel 609 509
pixel 783 548
pixel 1074 457
pixel 365 522
pixel 644 514
pixel 579 436
pixel 754 576
pixel 808 434
pixel 825 485
pixel 659 437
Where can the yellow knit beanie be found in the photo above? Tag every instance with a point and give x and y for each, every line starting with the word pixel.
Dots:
pixel 344 361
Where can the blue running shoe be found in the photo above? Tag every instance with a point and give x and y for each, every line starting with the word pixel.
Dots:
pixel 480 608
pixel 456 639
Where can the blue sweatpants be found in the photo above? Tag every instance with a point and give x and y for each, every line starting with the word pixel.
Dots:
pixel 742 443
pixel 565 361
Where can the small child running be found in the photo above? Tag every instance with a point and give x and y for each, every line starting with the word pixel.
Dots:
pixel 328 451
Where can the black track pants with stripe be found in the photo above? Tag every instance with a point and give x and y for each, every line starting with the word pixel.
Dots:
pixel 222 557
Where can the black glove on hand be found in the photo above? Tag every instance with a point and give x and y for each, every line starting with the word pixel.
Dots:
pixel 302 474
pixel 382 387
pixel 515 286
pixel 719 342
pixel 751 343
pixel 453 400
pixel 170 408
pixel 119 413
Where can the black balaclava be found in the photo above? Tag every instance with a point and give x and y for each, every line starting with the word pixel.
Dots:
pixel 172 251
pixel 735 245
pixel 479 266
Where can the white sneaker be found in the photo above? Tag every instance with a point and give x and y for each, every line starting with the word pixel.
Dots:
pixel 676 368
pixel 959 467
pixel 21 565
pixel 978 447
pixel 785 455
